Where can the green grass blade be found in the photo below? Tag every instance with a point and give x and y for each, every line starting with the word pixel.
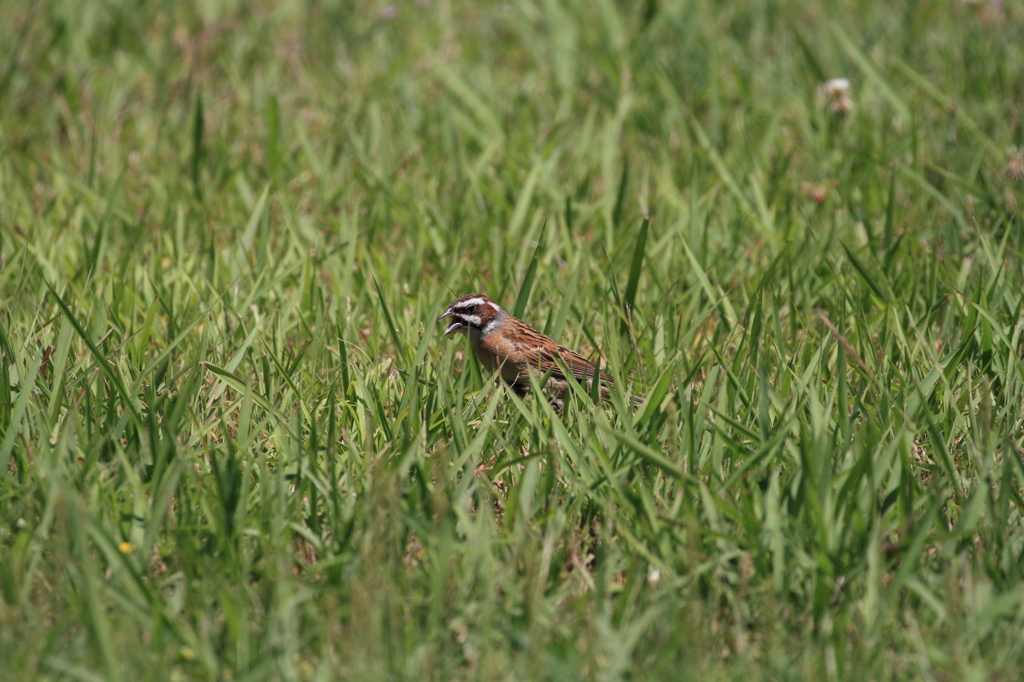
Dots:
pixel 635 268
pixel 527 286
pixel 25 390
pixel 862 270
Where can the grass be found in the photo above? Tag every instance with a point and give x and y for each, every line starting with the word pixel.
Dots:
pixel 234 445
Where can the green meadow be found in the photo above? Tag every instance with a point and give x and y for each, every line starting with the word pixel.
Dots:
pixel 234 444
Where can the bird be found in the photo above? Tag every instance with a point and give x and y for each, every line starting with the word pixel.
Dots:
pixel 516 351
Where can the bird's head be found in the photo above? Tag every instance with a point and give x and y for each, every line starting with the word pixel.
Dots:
pixel 472 310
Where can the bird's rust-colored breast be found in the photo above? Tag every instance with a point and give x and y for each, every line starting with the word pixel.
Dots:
pixel 497 353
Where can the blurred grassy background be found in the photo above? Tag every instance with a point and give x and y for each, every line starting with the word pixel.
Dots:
pixel 233 444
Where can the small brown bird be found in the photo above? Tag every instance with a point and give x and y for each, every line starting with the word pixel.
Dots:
pixel 514 349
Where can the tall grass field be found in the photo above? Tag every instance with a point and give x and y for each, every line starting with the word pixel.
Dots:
pixel 235 444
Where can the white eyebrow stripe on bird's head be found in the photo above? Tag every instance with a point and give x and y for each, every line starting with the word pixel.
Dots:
pixel 468 303
pixel 497 308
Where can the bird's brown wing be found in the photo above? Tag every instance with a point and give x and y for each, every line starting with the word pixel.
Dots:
pixel 544 359
pixel 543 352
pixel 581 368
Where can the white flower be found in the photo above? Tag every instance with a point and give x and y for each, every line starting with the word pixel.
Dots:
pixel 1014 163
pixel 837 92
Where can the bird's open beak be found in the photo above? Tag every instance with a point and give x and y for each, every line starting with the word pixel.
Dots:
pixel 454 326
